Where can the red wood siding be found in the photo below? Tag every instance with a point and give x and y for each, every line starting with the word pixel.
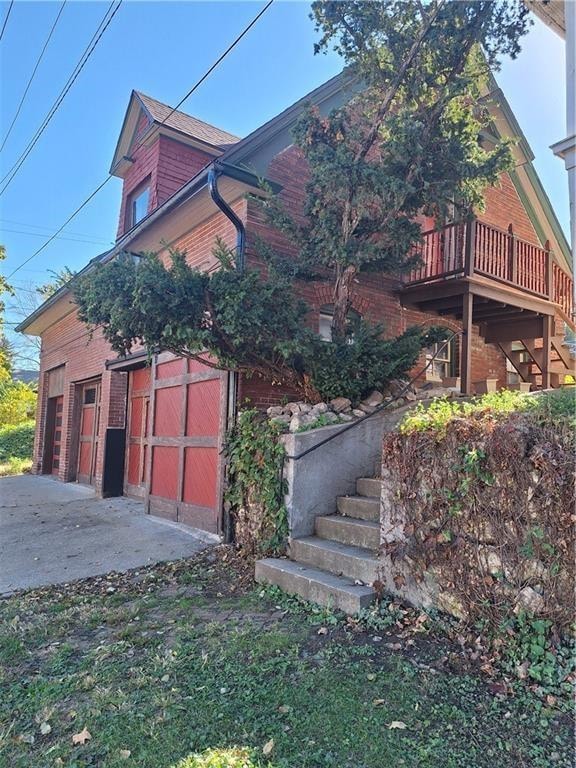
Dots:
pixel 168 164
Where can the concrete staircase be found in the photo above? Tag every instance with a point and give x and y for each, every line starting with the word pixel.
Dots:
pixel 337 566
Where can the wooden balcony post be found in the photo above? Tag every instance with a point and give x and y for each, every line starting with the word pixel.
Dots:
pixel 548 322
pixel 466 351
pixel 513 250
pixel 549 272
pixel 470 247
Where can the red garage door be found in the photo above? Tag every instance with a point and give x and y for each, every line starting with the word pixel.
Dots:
pixel 137 433
pixel 188 420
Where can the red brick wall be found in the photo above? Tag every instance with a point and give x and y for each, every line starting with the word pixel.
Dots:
pixel 375 296
pixel 68 343
pixel 504 207
pixel 199 242
pixel 168 165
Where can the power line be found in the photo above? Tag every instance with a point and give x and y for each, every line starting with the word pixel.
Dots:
pixel 49 232
pixel 190 92
pixel 78 68
pixel 6 19
pixel 59 237
pixel 33 75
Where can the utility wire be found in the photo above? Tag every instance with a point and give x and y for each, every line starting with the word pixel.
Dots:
pixel 59 237
pixel 50 229
pixel 33 75
pixel 6 19
pixel 79 67
pixel 103 184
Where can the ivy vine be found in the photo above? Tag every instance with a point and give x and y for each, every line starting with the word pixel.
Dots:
pixel 256 488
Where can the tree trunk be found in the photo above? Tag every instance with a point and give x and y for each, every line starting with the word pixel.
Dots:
pixel 342 301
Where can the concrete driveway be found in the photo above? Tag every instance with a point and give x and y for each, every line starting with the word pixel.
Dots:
pixel 53 532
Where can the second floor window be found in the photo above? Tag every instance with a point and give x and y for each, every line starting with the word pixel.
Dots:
pixel 138 204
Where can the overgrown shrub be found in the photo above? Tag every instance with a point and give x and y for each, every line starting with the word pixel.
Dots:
pixel 17 441
pixel 485 495
pixel 256 488
pixel 354 367
pixel 17 402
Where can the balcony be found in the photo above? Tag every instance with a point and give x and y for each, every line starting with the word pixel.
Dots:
pixel 511 289
pixel 474 249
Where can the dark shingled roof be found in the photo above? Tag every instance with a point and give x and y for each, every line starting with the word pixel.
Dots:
pixel 180 121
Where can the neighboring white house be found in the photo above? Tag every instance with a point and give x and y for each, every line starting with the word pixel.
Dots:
pixel 560 15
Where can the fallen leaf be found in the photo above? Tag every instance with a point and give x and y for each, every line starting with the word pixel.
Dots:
pixel 125 753
pixel 397 724
pixel 371 676
pixel 284 709
pixel 378 702
pixel 165 678
pixel 268 747
pixel 322 631
pixel 45 728
pixel 498 689
pixel 399 580
pixel 82 737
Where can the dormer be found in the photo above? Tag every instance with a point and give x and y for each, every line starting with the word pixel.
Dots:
pixel 157 153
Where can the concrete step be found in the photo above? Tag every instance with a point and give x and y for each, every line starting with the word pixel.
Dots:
pixel 349 530
pixel 359 506
pixel 340 559
pixel 315 585
pixel 369 486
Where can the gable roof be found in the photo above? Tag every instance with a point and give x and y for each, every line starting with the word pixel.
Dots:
pixel 162 118
pixel 187 124
pixel 248 158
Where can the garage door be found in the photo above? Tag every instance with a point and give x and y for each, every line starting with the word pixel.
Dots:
pixel 89 432
pixel 188 407
pixel 137 433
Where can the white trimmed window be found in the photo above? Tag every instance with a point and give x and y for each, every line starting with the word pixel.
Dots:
pixel 442 357
pixel 138 203
pixel 325 322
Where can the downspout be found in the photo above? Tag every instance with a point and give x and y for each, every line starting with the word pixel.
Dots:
pixel 213 174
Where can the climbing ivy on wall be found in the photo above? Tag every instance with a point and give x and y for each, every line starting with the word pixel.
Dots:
pixel 256 487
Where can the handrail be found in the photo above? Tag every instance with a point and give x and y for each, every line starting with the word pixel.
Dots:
pixel 465 247
pixel 378 408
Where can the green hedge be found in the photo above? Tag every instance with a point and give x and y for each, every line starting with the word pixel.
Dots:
pixel 17 441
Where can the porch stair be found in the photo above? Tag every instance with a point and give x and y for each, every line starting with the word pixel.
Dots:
pixel 338 565
pixel 527 359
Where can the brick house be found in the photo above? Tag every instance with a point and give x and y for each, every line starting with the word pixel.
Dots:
pixel 155 431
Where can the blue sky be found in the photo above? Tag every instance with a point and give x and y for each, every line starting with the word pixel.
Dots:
pixel 162 48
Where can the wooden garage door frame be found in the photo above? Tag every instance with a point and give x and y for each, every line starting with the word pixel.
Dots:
pixel 93 436
pixel 205 518
pixel 141 441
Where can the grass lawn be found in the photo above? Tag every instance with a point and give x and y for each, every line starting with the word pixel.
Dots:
pixel 177 665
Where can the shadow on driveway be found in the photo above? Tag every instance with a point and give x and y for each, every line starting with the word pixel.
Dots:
pixel 53 532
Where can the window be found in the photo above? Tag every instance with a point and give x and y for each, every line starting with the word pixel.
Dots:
pixel 89 396
pixel 138 204
pixel 325 322
pixel 442 365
